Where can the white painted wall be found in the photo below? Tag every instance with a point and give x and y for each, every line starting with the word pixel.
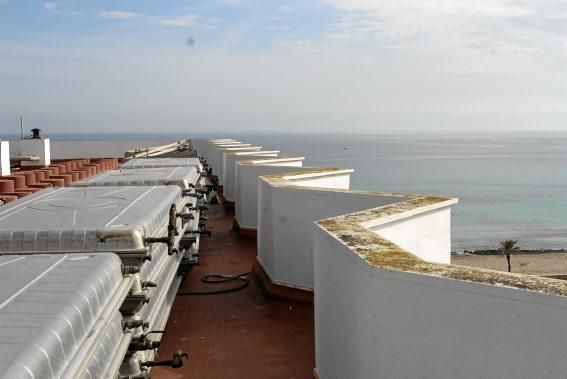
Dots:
pixel 372 323
pixel 214 156
pixel 281 161
pixel 219 157
pixel 246 188
pixel 285 226
pixel 426 235
pixel 206 147
pixel 229 169
pixel 39 147
pixel 205 150
pixel 4 158
pixel 325 180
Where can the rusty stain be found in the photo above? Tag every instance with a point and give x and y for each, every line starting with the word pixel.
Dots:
pixel 102 237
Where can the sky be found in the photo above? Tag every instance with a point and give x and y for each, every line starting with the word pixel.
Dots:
pixel 345 66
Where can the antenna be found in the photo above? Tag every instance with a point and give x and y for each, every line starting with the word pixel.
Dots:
pixel 22 126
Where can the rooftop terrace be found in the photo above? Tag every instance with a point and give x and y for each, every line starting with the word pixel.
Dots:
pixel 341 283
pixel 244 334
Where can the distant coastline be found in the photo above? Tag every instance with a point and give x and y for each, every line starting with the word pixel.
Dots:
pixel 522 251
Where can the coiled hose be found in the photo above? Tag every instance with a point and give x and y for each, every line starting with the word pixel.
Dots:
pixel 220 278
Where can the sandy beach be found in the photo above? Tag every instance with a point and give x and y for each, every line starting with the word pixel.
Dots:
pixel 532 264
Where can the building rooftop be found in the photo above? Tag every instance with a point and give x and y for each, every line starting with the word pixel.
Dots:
pixel 242 334
pixel 376 264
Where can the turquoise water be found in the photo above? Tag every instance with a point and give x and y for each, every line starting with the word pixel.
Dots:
pixel 510 186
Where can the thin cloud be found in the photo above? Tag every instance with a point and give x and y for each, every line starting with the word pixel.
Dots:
pixel 184 20
pixel 179 21
pixel 50 6
pixel 59 8
pixel 497 26
pixel 120 15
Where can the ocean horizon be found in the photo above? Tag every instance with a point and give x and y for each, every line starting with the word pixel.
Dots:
pixel 509 185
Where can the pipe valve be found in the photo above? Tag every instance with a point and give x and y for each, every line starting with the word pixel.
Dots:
pixel 176 361
pixel 133 324
pixel 185 216
pixel 149 284
pixel 191 193
pixel 169 240
pixel 141 342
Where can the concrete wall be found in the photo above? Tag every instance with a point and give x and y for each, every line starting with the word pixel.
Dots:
pixel 281 162
pixel 205 147
pixel 324 180
pixel 213 155
pixel 426 235
pixel 246 188
pixel 219 158
pixel 229 169
pixel 285 226
pixel 372 323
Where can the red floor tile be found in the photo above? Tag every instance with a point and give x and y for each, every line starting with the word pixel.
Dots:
pixel 241 334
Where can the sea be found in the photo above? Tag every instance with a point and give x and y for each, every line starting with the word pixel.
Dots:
pixel 509 185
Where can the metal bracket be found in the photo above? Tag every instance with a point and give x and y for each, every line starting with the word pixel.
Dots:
pixel 169 240
pixel 141 342
pixel 207 232
pixel 186 216
pixel 192 193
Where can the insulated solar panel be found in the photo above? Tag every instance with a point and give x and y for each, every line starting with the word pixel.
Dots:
pixel 161 162
pixel 157 176
pixel 57 313
pixel 116 219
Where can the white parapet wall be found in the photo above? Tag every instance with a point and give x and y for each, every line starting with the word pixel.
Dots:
pixel 229 169
pixel 204 146
pixel 318 177
pixel 213 156
pixel 4 158
pixel 381 311
pixel 36 146
pixel 246 185
pixel 219 158
pixel 288 206
pixel 426 233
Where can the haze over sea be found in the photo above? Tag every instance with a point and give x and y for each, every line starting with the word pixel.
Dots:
pixel 509 185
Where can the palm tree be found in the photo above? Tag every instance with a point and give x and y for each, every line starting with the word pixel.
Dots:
pixel 507 247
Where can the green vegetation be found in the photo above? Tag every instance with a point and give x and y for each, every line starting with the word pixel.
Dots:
pixel 507 248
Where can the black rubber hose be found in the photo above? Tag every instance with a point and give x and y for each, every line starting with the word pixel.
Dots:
pixel 219 278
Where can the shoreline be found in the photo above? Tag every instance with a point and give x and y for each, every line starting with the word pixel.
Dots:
pixel 497 252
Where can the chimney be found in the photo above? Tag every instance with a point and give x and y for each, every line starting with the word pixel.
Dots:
pixel 4 158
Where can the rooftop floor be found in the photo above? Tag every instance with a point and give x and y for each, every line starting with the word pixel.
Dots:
pixel 241 334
